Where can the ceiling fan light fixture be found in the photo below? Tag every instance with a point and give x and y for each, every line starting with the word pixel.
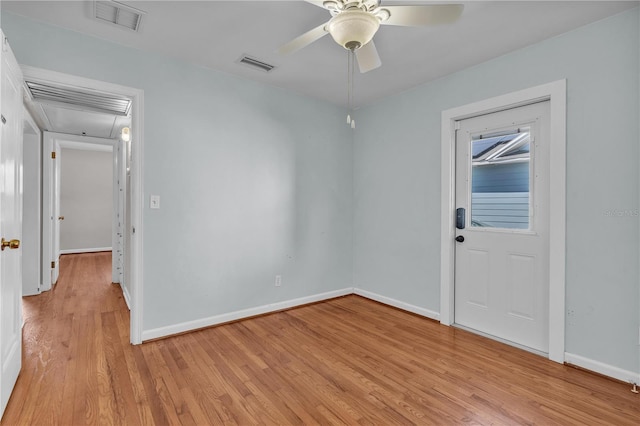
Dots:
pixel 353 29
pixel 382 14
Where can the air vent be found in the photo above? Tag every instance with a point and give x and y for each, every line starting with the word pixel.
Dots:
pixel 255 63
pixel 86 100
pixel 118 14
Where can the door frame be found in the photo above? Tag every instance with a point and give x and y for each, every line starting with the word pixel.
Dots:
pixel 33 257
pixel 137 172
pixel 556 93
pixel 54 141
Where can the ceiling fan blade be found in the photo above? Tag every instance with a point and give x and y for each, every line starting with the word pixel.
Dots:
pixel 417 16
pixel 319 3
pixel 303 40
pixel 368 58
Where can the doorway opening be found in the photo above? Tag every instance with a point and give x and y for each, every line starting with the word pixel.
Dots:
pixel 83 202
pixel 555 93
pixel 86 199
pixel 58 121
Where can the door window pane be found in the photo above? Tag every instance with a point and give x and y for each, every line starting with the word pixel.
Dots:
pixel 500 180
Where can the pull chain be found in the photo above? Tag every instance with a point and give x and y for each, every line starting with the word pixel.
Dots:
pixel 350 61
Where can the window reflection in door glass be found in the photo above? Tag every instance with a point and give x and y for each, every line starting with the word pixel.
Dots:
pixel 500 181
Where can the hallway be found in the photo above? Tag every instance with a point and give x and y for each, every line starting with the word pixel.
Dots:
pixel 72 336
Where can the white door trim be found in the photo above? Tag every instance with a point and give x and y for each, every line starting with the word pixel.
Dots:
pixel 35 197
pixel 555 92
pixel 51 141
pixel 137 165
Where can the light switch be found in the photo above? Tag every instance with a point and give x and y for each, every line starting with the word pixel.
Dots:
pixel 154 202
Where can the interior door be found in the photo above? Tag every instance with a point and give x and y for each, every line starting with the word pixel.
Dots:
pixel 47 209
pixel 10 223
pixel 117 259
pixel 128 229
pixel 57 216
pixel 502 221
pixel 32 208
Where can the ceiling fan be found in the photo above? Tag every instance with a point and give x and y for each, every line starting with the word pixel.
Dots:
pixel 354 23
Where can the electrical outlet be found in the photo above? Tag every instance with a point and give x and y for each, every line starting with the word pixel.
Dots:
pixel 278 280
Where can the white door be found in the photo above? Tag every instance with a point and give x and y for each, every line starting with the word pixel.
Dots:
pixel 50 209
pixel 117 257
pixel 502 221
pixel 126 210
pixel 32 208
pixel 10 223
pixel 57 215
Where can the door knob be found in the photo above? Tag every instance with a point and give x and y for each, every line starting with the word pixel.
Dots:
pixel 60 217
pixel 12 244
pixel 460 238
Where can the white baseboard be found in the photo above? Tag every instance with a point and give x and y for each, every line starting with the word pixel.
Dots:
pixel 125 293
pixel 238 315
pixel 602 368
pixel 85 250
pixel 37 292
pixel 577 360
pixel 398 304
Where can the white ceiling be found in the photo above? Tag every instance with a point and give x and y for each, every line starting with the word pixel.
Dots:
pixel 86 123
pixel 216 33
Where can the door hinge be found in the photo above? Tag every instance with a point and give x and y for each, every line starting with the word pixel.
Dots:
pixel 457 125
pixel 4 120
pixel 53 155
pixel 53 265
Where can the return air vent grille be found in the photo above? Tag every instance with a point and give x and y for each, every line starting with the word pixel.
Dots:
pixel 118 14
pixel 255 63
pixel 86 100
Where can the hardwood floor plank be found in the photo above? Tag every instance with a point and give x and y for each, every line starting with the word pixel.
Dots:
pixel 121 384
pixel 67 390
pixel 344 361
pixel 153 398
pixel 142 413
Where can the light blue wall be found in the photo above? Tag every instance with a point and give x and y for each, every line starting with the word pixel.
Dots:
pixel 254 181
pixel 397 181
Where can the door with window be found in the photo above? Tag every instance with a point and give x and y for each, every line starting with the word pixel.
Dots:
pixel 502 225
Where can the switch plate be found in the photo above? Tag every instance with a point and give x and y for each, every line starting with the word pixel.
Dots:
pixel 154 202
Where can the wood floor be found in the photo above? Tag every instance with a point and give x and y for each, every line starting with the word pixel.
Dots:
pixel 345 361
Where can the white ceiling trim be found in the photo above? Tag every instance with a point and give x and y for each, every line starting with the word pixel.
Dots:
pixel 87 143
